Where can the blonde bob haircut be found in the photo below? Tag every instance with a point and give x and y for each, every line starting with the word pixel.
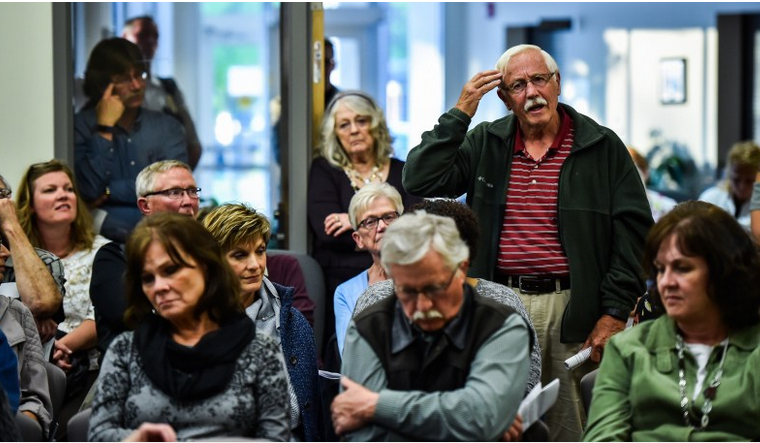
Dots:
pixel 364 197
pixel 364 105
pixel 234 224
pixel 82 233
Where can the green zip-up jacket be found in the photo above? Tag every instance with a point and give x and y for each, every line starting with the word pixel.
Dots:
pixel 604 214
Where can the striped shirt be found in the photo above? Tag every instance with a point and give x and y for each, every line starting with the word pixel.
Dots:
pixel 529 243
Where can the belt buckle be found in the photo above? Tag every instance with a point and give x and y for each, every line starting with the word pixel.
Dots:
pixel 528 288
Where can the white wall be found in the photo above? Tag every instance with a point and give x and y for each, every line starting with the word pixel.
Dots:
pixel 26 87
pixel 683 123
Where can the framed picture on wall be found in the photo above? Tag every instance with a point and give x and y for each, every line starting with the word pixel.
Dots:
pixel 672 81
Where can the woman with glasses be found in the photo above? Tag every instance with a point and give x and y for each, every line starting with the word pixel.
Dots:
pixel 243 235
pixel 54 217
pixel 114 138
pixel 355 150
pixel 195 361
pixel 371 211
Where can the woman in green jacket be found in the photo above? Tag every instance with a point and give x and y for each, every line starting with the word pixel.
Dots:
pixel 690 375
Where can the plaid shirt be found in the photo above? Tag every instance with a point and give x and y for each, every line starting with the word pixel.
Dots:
pixel 53 264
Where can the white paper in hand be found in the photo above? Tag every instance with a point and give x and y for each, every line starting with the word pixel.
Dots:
pixel 537 402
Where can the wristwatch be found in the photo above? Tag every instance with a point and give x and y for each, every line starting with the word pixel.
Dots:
pixel 107 129
pixel 619 314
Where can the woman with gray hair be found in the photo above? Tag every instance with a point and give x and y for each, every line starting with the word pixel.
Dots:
pixel 371 211
pixel 355 150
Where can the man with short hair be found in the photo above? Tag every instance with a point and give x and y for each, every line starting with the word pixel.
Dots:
pixel 164 186
pixel 114 138
pixel 162 93
pixel 436 361
pixel 562 210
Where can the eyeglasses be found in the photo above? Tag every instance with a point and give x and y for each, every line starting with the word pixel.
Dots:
pixel 5 193
pixel 430 292
pixel 371 223
pixel 539 80
pixel 124 80
pixel 177 193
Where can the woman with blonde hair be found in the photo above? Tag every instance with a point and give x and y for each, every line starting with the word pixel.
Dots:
pixel 243 234
pixel 54 217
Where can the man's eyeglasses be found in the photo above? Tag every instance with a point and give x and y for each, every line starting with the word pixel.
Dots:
pixel 430 292
pixel 370 223
pixel 124 80
pixel 539 80
pixel 5 193
pixel 177 193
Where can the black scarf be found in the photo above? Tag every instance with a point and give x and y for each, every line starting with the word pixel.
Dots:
pixel 192 373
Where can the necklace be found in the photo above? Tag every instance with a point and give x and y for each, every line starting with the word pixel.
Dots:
pixel 354 176
pixel 709 392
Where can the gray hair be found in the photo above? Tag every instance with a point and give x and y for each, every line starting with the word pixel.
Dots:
pixel 363 199
pixel 364 105
pixel 412 236
pixel 503 61
pixel 146 179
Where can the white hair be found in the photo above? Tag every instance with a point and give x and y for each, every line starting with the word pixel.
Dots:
pixel 412 236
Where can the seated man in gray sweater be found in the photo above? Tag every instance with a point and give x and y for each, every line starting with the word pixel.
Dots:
pixel 415 366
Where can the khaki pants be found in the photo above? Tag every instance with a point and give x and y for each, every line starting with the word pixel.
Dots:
pixel 567 417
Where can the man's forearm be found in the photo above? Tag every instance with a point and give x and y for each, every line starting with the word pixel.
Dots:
pixel 36 286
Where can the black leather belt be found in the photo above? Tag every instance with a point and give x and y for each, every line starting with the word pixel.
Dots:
pixel 533 284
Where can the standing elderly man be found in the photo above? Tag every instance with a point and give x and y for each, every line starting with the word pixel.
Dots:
pixel 436 361
pixel 559 201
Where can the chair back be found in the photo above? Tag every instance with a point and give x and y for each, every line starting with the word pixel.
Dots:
pixel 315 286
pixel 79 425
pixel 587 388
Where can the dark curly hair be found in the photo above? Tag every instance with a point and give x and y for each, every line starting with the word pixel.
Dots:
pixel 733 259
pixel 464 218
pixel 182 237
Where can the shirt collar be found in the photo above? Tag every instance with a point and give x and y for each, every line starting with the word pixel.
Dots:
pixel 404 333
pixel 564 129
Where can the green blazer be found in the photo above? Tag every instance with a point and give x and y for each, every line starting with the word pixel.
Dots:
pixel 636 396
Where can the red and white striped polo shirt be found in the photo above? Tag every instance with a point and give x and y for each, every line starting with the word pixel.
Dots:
pixel 529 243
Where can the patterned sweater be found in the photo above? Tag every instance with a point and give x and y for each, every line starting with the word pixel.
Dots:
pixel 253 405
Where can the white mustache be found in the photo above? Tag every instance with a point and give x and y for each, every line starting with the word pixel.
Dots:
pixel 428 315
pixel 533 102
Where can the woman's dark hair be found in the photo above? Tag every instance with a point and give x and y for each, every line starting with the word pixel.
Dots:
pixel 464 218
pixel 109 58
pixel 183 238
pixel 733 260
